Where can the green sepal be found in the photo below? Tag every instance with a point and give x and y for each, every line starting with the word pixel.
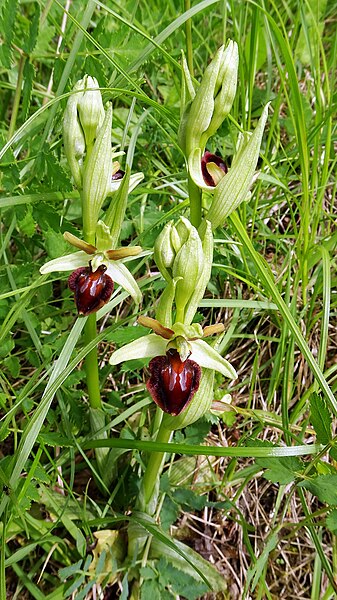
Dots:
pixel 73 137
pixel 164 252
pixel 147 346
pixel 188 265
pixel 115 214
pixel 206 356
pixel 234 187
pixel 97 174
pixel 205 275
pixel 165 304
pixel 225 89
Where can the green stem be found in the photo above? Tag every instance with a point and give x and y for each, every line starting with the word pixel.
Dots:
pixel 195 197
pixel 17 97
pixel 154 466
pixel 90 330
pixel 91 364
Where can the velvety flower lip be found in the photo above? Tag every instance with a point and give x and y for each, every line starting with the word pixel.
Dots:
pixel 92 289
pixel 118 175
pixel 173 382
pixel 213 168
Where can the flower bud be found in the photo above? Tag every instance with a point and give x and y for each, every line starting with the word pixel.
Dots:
pixel 181 257
pixel 213 101
pixel 90 109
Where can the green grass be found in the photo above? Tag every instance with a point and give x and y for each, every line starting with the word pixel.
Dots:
pixel 259 498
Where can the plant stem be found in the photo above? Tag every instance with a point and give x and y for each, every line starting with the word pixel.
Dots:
pixel 17 96
pixel 194 193
pixel 90 332
pixel 91 364
pixel 154 466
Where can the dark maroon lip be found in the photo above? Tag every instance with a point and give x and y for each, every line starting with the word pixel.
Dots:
pixel 207 158
pixel 92 289
pixel 173 382
pixel 118 175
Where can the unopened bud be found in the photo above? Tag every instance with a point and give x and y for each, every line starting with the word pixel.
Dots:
pixel 90 109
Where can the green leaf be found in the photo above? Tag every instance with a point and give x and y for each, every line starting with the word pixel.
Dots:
pixel 28 77
pixel 331 521
pixel 31 40
pixel 179 582
pixel 320 418
pixel 324 487
pixel 55 439
pixel 159 549
pixel 7 20
pixel 151 589
pixel 280 470
pixel 55 243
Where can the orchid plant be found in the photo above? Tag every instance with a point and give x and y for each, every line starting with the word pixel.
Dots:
pixel 181 370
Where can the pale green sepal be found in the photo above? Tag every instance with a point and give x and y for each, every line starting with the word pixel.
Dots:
pixel 164 252
pixel 194 169
pixel 114 216
pixel 147 346
pixel 208 357
pixel 189 265
pixel 234 187
pixel 164 308
pixel 70 262
pixel 97 172
pixel 103 237
pixel 202 107
pixel 188 91
pixel 199 405
pixel 73 137
pixel 122 276
pixel 207 247
pixel 187 96
pixel 224 96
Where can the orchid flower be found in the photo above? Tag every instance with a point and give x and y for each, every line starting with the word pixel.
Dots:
pixel 177 354
pixel 94 271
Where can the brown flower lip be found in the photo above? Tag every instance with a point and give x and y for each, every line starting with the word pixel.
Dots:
pixel 92 289
pixel 207 158
pixel 173 382
pixel 118 175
